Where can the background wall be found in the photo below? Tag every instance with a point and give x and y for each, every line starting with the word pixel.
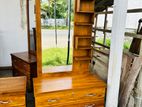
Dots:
pixel 13 38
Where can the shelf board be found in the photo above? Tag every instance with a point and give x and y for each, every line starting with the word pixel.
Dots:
pixel 84 47
pixel 83 23
pixel 82 58
pixel 90 12
pixel 83 37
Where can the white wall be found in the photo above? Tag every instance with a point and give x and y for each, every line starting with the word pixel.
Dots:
pixel 13 38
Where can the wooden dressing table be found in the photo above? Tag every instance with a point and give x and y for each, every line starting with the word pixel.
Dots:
pixel 69 91
pixel 77 88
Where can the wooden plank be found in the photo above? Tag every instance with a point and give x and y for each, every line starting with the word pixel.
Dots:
pixel 101 45
pixel 128 84
pixel 138 10
pixel 127 34
pixel 115 58
pixel 38 38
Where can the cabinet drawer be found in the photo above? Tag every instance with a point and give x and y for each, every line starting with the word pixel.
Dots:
pixel 89 94
pixel 52 99
pixel 20 65
pixel 76 104
pixel 69 97
pixel 12 101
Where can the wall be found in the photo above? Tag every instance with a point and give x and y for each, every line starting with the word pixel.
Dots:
pixel 13 38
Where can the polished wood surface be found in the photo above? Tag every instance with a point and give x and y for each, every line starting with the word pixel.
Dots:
pixel 13 91
pixel 83 21
pixel 38 37
pixel 15 100
pixel 25 56
pixel 69 90
pixel 12 84
pixel 24 64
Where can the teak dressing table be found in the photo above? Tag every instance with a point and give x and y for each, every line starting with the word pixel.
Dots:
pixel 77 88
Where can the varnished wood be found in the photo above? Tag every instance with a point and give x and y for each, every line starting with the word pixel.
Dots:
pixel 85 6
pixel 24 64
pixel 38 38
pixel 68 90
pixel 12 84
pixel 13 91
pixel 83 20
pixel 12 100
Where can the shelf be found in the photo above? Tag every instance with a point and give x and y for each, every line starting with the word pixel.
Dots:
pixel 82 42
pixel 82 58
pixel 86 6
pixel 84 47
pixel 91 12
pixel 83 24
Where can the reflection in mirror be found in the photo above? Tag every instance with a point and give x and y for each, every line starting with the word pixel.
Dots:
pixel 31 24
pixel 57 33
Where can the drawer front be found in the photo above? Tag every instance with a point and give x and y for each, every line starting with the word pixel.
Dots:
pixel 76 104
pixel 20 65
pixel 12 101
pixel 89 94
pixel 52 99
pixel 69 97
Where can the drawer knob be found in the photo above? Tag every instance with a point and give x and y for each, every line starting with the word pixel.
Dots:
pixel 91 105
pixel 52 100
pixel 90 95
pixel 5 102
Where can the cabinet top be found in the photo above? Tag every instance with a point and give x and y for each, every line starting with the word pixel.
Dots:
pixel 25 56
pixel 53 84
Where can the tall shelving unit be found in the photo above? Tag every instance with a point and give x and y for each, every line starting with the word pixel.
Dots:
pixel 83 21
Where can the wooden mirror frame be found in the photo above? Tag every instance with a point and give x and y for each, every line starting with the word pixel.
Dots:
pixel 38 38
pixel 82 30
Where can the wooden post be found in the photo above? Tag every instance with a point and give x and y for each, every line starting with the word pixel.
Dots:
pixel 105 26
pixel 115 59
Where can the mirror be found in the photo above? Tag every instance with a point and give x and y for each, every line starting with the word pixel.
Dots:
pixel 31 26
pixel 55 31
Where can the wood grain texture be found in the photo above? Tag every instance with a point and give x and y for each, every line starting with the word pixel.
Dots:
pixel 17 100
pixel 68 90
pixel 24 64
pixel 128 84
pixel 13 84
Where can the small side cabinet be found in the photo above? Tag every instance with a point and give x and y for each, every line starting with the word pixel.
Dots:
pixel 24 64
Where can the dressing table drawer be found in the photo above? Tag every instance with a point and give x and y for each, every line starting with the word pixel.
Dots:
pixel 70 97
pixel 89 94
pixel 12 101
pixel 54 99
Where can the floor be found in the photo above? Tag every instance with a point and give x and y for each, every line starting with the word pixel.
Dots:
pixel 29 96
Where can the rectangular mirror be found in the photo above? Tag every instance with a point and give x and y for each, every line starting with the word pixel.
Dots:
pixel 56 31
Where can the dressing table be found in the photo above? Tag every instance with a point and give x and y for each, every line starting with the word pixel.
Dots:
pixel 77 88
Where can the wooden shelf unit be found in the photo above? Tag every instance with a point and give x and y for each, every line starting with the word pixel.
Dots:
pixel 83 21
pixel 85 6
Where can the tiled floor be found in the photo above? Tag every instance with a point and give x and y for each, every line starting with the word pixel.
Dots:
pixel 29 96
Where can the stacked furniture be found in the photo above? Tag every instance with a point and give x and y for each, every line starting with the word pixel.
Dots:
pixel 78 88
pixel 13 92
